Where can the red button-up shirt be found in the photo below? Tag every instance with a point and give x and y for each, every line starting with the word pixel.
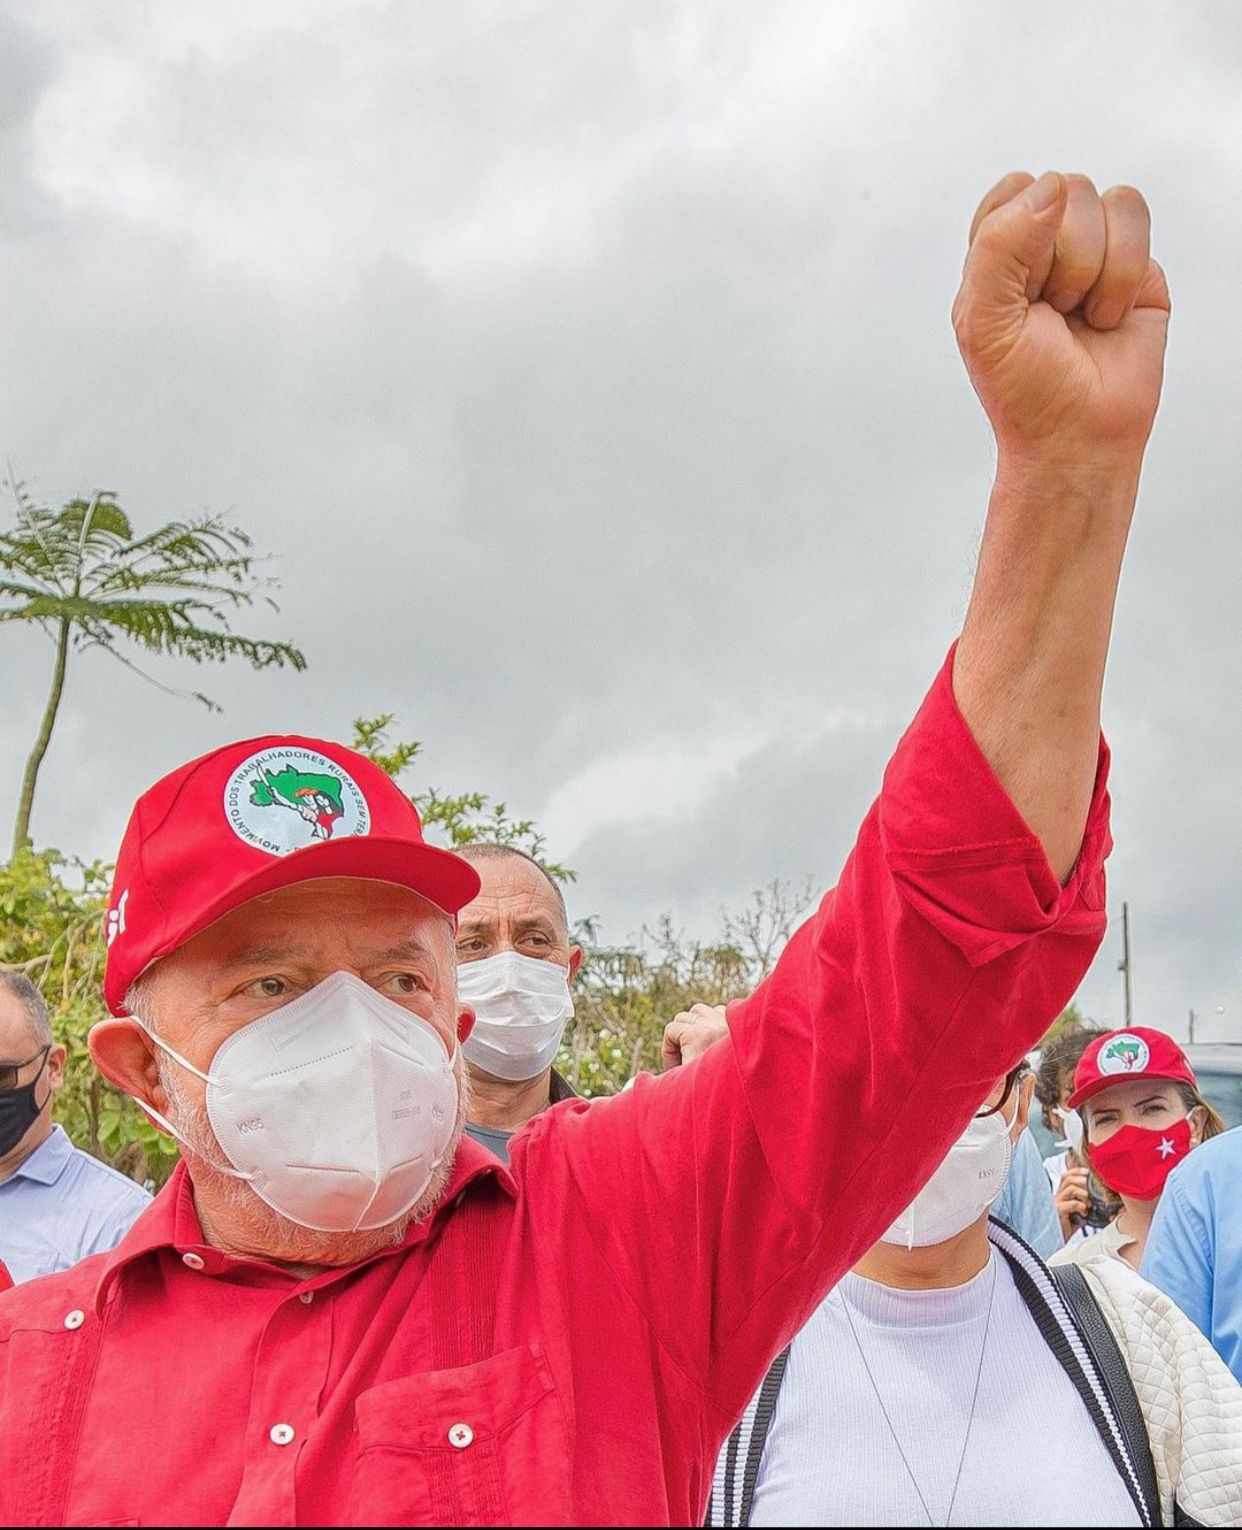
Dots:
pixel 570 1340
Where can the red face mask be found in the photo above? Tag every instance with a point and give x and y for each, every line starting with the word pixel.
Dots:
pixel 1136 1160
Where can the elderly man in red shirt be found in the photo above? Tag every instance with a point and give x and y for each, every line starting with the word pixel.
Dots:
pixel 338 1311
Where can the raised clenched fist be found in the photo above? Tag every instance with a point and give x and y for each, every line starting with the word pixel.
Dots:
pixel 1061 318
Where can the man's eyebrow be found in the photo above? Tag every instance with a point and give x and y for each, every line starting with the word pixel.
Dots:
pixel 260 954
pixel 535 921
pixel 481 922
pixel 403 950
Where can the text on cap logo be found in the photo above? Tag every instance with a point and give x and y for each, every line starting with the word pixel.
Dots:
pixel 1125 1054
pixel 282 800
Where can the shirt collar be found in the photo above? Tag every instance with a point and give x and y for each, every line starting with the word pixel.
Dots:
pixel 171 1221
pixel 1114 1239
pixel 560 1089
pixel 48 1161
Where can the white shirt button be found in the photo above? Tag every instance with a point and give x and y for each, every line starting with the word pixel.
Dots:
pixel 75 1319
pixel 306 1297
pixel 461 1435
pixel 193 1261
pixel 281 1434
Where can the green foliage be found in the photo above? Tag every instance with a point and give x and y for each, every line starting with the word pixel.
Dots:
pixel 84 576
pixel 168 591
pixel 626 995
pixel 51 915
pixel 457 818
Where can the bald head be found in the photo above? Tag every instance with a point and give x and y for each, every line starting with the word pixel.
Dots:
pixel 518 908
pixel 485 850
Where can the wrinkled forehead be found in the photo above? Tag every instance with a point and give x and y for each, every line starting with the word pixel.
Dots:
pixel 333 923
pixel 512 889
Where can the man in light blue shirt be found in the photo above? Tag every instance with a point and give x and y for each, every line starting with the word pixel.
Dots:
pixel 1194 1249
pixel 57 1205
pixel 1026 1202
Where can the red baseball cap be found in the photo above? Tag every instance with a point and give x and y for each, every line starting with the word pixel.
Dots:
pixel 250 818
pixel 1135 1053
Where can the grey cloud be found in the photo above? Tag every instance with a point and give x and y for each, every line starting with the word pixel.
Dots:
pixel 591 376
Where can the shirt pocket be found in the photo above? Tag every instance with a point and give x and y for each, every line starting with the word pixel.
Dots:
pixel 482 1445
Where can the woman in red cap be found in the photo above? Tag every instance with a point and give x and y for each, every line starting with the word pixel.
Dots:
pixel 1141 1113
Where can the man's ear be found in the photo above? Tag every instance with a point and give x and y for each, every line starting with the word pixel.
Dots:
pixel 56 1067
pixel 575 961
pixel 125 1055
pixel 465 1022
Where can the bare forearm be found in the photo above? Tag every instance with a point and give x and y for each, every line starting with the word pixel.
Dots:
pixel 1030 665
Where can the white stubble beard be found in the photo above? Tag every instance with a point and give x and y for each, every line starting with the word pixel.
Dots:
pixel 257 1229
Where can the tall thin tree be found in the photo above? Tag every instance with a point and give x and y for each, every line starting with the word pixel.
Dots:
pixel 83 576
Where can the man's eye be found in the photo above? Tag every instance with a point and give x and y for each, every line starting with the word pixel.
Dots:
pixel 405 983
pixel 269 987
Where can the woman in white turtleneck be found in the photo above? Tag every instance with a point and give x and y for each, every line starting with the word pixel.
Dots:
pixel 946 1382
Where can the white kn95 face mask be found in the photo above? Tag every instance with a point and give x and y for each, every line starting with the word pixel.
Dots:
pixel 969 1179
pixel 336 1109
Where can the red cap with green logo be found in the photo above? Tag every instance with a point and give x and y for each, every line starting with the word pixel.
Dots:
pixel 251 818
pixel 1138 1052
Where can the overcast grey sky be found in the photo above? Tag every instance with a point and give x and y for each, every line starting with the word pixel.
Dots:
pixel 589 369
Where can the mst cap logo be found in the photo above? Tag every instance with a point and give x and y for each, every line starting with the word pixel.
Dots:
pixel 285 799
pixel 1124 1054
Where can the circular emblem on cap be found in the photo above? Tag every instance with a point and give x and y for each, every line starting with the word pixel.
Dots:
pixel 282 800
pixel 1126 1053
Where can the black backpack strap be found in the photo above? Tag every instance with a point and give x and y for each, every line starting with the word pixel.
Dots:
pixel 1060 1327
pixel 1113 1372
pixel 768 1393
pixel 733 1489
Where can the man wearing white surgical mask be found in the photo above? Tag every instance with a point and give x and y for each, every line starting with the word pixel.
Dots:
pixel 515 965
pixel 915 1391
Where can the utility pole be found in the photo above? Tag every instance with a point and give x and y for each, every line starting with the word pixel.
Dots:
pixel 1191 1038
pixel 1123 966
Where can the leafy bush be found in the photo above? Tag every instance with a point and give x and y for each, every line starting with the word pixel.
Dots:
pixel 625 995
pixel 51 918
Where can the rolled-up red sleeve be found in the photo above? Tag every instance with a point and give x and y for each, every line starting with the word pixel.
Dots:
pixel 962 855
pixel 728 1197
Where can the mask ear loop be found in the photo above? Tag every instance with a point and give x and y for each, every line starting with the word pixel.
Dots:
pixel 163 1121
pixel 47 1052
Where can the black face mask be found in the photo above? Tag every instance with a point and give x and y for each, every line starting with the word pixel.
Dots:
pixel 18 1108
